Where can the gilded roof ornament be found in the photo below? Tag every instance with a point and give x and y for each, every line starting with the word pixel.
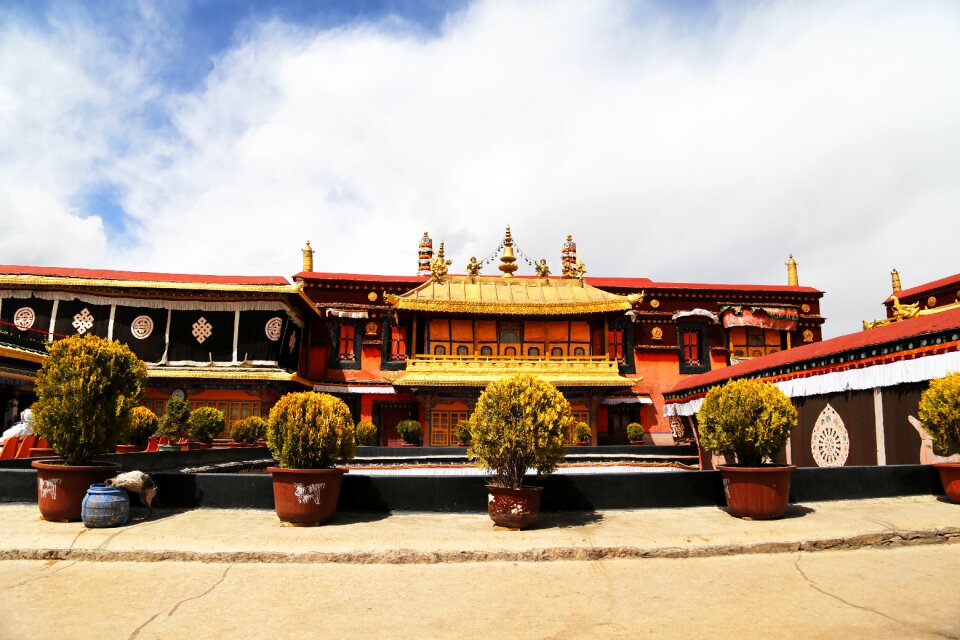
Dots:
pixel 792 278
pixel 307 258
pixel 439 265
pixel 636 298
pixel 473 267
pixel 507 258
pixel 895 281
pixel 543 271
pixel 580 271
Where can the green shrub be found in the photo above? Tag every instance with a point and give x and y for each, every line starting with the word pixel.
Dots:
pixel 366 432
pixel 86 390
pixel 940 414
pixel 581 432
pixel 310 430
pixel 205 423
pixel 462 431
pixel 635 432
pixel 410 431
pixel 143 424
pixel 173 423
pixel 746 419
pixel 519 423
pixel 249 429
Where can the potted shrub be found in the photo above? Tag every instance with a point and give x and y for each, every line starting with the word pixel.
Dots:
pixel 86 391
pixel 366 433
pixel 143 424
pixel 462 432
pixel 939 414
pixel 204 424
pixel 519 423
pixel 173 423
pixel 410 431
pixel 581 434
pixel 308 433
pixel 249 430
pixel 635 433
pixel 749 421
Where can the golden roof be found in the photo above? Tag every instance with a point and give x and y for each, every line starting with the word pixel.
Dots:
pixel 509 296
pixel 479 371
pixel 225 373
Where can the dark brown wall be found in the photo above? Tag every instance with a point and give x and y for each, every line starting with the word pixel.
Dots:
pixel 901 439
pixel 855 409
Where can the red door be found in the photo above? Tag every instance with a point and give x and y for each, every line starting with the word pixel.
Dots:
pixel 389 418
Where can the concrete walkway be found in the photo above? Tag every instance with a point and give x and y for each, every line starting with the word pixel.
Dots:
pixel 213 535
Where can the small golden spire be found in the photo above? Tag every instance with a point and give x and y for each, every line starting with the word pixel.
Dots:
pixel 307 258
pixel 507 258
pixel 792 279
pixel 895 279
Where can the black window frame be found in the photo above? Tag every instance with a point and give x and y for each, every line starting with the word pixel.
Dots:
pixel 703 347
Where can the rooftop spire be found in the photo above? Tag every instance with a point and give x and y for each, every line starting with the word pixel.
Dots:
pixel 792 279
pixel 425 256
pixel 507 258
pixel 895 280
pixel 307 258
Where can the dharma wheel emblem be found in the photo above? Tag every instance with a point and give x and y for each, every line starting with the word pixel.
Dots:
pixel 141 327
pixel 202 330
pixel 273 329
pixel 24 318
pixel 829 442
pixel 83 321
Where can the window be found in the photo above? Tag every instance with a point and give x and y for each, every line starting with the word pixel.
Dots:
pixel 556 352
pixel 510 333
pixel 694 352
pixel 443 426
pixel 462 350
pixel 533 351
pixel 398 344
pixel 754 342
pixel 346 349
pixel 486 351
pixel 439 350
pixel 579 351
pixel 510 351
pixel 615 345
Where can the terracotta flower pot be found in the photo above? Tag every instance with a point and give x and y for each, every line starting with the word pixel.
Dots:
pixel 950 477
pixel 306 496
pixel 757 493
pixel 61 488
pixel 128 448
pixel 514 508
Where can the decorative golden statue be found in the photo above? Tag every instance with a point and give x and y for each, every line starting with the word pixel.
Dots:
pixel 905 311
pixel 543 271
pixel 580 271
pixel 473 268
pixel 439 265
pixel 636 298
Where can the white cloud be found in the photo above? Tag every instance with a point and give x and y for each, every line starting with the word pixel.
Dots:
pixel 706 153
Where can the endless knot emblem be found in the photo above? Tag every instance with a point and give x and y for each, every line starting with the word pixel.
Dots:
pixel 83 321
pixel 141 327
pixel 24 318
pixel 273 329
pixel 202 330
pixel 292 342
pixel 829 442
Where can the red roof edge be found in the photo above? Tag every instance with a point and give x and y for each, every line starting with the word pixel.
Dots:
pixel 144 276
pixel 934 323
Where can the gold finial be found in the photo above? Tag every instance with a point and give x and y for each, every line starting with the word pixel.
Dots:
pixel 438 267
pixel 507 258
pixel 792 279
pixel 895 279
pixel 307 258
pixel 580 271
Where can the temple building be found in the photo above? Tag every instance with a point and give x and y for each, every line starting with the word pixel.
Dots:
pixel 856 395
pixel 230 342
pixel 424 346
pixel 421 346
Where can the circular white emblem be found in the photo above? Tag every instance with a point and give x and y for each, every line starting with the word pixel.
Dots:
pixel 141 327
pixel 829 442
pixel 24 318
pixel 273 329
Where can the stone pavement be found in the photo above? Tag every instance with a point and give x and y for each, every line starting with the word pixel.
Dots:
pixel 238 536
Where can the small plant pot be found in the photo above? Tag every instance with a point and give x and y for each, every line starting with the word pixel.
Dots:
pixel 514 508
pixel 61 488
pixel 128 448
pixel 306 496
pixel 950 478
pixel 105 506
pixel 757 493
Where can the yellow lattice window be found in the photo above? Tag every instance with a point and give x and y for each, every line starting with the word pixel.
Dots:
pixel 580 414
pixel 442 427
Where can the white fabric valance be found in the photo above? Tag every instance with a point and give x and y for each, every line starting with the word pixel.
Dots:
pixel 703 313
pixel 332 388
pixel 337 313
pixel 626 400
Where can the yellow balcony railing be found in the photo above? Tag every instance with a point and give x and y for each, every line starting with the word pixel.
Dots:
pixel 477 370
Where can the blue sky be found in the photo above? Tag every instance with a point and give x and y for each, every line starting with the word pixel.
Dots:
pixel 682 141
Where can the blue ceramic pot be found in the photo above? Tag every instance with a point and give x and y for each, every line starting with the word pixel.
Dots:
pixel 105 506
